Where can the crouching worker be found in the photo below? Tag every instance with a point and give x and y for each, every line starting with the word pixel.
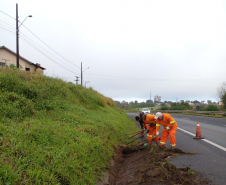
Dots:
pixel 149 121
pixel 170 127
pixel 141 122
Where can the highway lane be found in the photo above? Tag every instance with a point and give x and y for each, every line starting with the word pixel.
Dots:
pixel 210 160
pixel 213 129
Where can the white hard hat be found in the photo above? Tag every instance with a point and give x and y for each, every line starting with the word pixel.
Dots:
pixel 158 114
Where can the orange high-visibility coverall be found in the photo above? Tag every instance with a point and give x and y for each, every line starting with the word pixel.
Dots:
pixel 167 121
pixel 148 120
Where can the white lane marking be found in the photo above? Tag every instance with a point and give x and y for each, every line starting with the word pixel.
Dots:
pixel 210 142
pixel 214 144
pixel 186 131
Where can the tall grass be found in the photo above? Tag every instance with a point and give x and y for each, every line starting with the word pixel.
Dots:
pixel 55 132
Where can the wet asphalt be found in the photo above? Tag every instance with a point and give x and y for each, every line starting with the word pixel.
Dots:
pixel 209 159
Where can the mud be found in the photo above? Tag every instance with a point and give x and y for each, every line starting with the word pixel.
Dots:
pixel 138 165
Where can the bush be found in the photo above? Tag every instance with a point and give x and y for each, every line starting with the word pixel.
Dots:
pixel 224 100
pixel 202 108
pixel 163 108
pixel 212 108
pixel 180 106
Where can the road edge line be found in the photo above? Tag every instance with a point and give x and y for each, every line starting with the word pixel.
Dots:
pixel 210 142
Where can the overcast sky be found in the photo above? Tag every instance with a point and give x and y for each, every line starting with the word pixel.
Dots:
pixel 175 49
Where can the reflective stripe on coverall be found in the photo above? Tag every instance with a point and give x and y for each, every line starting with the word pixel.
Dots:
pixel 167 121
pixel 152 129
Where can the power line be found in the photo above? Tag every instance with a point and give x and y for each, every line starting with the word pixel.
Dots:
pixel 29 39
pixel 106 75
pixel 162 80
pixel 8 24
pixel 8 27
pixel 47 56
pixel 7 15
pixel 37 45
pixel 7 30
pixel 49 46
pixel 129 78
pixel 38 50
pixel 42 41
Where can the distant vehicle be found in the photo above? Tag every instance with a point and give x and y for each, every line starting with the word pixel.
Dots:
pixel 146 111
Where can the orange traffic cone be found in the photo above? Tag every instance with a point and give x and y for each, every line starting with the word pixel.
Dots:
pixel 198 132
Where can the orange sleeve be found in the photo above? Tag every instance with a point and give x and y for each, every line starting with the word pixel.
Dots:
pixel 170 120
pixel 157 125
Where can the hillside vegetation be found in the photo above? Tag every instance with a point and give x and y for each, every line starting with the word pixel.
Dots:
pixel 55 132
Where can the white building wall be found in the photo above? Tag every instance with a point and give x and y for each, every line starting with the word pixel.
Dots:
pixel 11 59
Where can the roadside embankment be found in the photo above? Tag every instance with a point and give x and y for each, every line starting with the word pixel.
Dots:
pixel 148 166
pixel 55 132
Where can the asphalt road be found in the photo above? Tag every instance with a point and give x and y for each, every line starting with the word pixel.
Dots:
pixel 210 158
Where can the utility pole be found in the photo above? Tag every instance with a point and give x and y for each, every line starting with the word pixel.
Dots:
pixel 17 38
pixel 81 73
pixel 76 80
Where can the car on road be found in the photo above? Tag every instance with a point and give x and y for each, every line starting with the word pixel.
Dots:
pixel 146 111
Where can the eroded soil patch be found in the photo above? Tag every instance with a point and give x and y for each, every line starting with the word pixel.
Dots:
pixel 149 165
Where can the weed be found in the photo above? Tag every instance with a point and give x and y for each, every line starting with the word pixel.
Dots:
pixel 152 149
pixel 190 172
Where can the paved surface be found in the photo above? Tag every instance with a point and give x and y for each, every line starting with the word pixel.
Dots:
pixel 209 160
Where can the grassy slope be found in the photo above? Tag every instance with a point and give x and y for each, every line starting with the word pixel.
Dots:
pixel 54 132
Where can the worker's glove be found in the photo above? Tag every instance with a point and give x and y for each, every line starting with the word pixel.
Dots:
pixel 167 128
pixel 157 133
pixel 148 131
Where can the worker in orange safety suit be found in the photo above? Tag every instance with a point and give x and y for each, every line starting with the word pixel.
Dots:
pixel 170 127
pixel 149 122
pixel 141 122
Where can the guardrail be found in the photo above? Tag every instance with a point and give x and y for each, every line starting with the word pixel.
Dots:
pixel 189 111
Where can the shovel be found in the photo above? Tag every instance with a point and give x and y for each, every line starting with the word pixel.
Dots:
pixel 134 140
pixel 134 132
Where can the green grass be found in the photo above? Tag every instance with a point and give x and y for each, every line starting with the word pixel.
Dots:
pixel 54 132
pixel 140 109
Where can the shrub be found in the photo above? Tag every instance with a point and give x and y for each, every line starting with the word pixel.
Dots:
pixel 224 100
pixel 212 108
pixel 163 108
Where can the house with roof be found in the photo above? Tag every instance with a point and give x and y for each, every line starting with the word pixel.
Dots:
pixel 8 58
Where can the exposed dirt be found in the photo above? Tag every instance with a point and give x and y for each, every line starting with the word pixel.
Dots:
pixel 148 165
